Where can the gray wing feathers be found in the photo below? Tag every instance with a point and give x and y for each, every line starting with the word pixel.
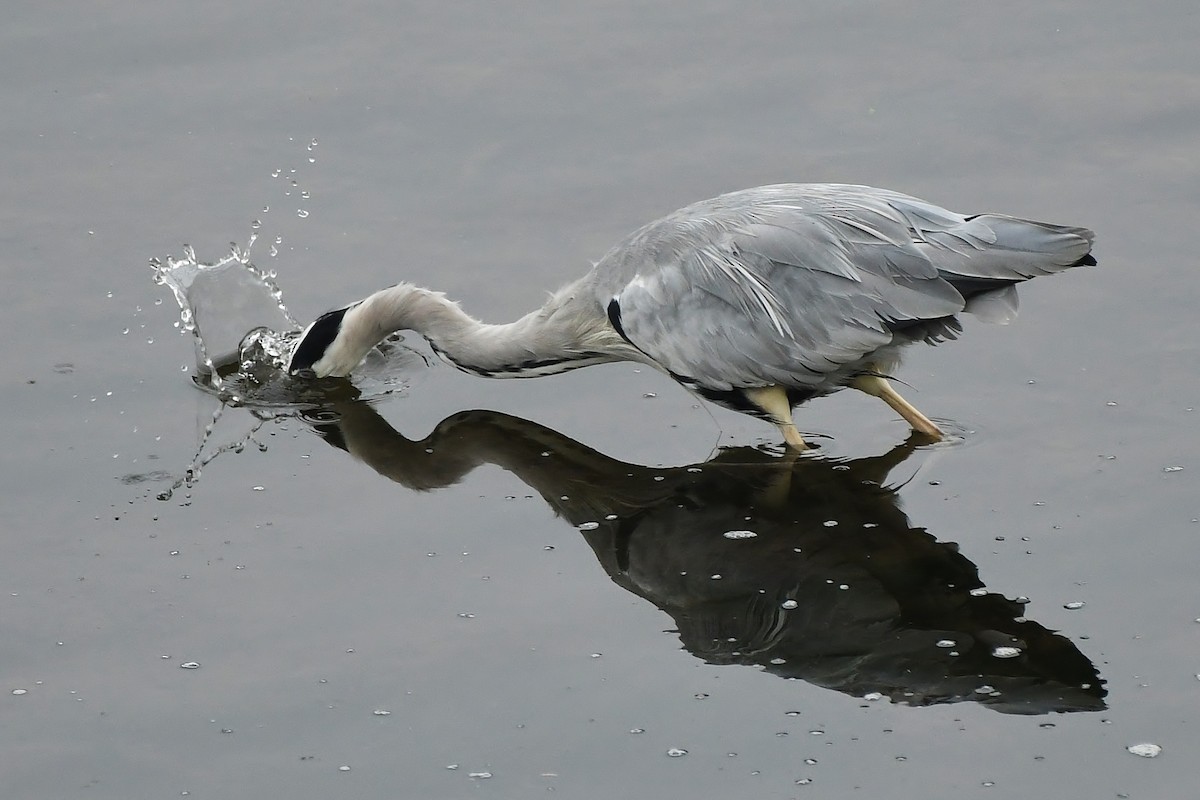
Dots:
pixel 788 284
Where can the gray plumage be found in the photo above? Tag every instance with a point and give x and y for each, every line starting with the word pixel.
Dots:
pixel 793 290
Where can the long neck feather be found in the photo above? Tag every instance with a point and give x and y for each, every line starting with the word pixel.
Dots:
pixel 564 334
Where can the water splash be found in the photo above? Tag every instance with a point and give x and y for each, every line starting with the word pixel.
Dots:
pixel 220 301
pixel 243 336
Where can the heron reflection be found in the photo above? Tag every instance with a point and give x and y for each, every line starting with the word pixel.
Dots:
pixel 821 576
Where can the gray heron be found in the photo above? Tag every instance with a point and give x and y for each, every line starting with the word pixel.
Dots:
pixel 757 300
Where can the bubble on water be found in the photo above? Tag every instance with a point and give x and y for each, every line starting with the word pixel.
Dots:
pixel 344 768
pixel 788 605
pixel 301 213
pixel 830 523
pixel 1074 605
pixel 1145 749
pixel 946 643
pixel 1006 652
pixel 980 592
pixel 190 665
pixel 588 526
pixel 637 730
pixel 676 752
pixel 791 713
pixel 1173 469
pixel 739 534
pixel 481 776
pixel 381 712
pixel 873 696
pixel 19 692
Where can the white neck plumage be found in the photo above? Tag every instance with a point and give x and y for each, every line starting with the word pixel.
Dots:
pixel 566 333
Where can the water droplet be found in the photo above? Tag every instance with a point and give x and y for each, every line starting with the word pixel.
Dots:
pixel 301 213
pixel 789 605
pixel 381 712
pixel 716 577
pixel 190 665
pixel 637 730
pixel 676 752
pixel 1173 469
pixel 588 526
pixel 791 713
pixel 1006 652
pixel 481 776
pixel 1074 605
pixel 873 696
pixel 1145 749
pixel 739 534
pixel 830 523
pixel 20 691
pixel 946 643
pixel 980 592
pixel 810 761
pixel 344 768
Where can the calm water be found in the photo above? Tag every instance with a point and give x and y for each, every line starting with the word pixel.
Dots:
pixel 525 616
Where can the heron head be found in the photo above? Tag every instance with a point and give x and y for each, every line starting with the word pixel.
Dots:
pixel 321 350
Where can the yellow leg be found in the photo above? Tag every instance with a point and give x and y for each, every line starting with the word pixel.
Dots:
pixel 876 386
pixel 774 401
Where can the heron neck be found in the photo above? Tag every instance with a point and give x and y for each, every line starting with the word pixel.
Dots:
pixel 562 335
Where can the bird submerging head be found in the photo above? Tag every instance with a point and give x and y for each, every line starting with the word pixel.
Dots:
pixel 757 300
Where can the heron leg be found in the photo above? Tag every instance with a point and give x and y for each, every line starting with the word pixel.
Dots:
pixel 773 400
pixel 877 386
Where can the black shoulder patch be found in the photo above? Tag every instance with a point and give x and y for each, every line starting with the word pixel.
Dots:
pixel 614 317
pixel 317 339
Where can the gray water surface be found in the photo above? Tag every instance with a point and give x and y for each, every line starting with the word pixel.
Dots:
pixel 329 568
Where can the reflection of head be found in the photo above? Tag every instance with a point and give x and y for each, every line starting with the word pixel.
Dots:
pixel 823 579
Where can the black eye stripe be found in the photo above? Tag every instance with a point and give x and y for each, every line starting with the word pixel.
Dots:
pixel 318 338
